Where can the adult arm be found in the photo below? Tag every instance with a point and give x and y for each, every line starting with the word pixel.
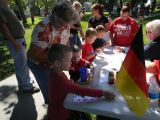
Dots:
pixel 151 50
pixel 111 37
pixel 107 26
pixel 38 54
pixel 6 32
pixel 111 33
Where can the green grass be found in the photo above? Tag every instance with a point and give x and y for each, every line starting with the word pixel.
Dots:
pixel 29 28
pixel 6 63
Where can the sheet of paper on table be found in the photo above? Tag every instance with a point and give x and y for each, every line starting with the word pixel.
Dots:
pixel 84 99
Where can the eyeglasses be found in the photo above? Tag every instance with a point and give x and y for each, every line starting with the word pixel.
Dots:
pixel 148 32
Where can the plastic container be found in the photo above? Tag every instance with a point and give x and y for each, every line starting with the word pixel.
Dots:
pixel 96 76
pixel 111 77
pixel 153 92
pixel 83 74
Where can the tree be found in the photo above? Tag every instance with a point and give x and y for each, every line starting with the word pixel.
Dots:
pixel 153 5
pixel 19 5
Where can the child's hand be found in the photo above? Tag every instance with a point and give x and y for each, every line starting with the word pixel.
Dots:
pixel 118 49
pixel 108 95
pixel 98 51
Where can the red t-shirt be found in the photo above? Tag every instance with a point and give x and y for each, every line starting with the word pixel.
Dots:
pixel 59 87
pixel 75 68
pixel 157 62
pixel 123 30
pixel 81 63
pixel 87 50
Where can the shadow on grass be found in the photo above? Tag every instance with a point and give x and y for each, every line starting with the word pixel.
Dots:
pixel 6 63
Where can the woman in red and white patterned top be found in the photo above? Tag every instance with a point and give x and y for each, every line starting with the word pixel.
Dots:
pixel 54 29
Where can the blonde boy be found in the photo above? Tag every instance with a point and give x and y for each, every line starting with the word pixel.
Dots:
pixel 88 52
pixel 100 43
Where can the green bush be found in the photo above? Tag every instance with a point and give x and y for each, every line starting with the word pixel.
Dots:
pixel 88 15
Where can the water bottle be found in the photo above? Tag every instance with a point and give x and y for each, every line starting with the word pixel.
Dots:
pixel 153 91
pixel 96 76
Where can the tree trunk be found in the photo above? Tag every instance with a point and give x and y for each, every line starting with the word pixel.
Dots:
pixel 19 5
pixel 111 2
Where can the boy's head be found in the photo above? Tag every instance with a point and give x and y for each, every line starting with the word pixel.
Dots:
pixel 60 57
pixel 77 5
pixel 77 53
pixel 100 31
pixel 90 35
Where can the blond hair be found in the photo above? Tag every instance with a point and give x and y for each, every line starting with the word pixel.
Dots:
pixel 76 4
pixel 90 32
pixel 154 27
pixel 100 28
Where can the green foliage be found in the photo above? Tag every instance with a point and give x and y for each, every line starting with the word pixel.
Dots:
pixel 29 28
pixel 88 15
pixel 6 63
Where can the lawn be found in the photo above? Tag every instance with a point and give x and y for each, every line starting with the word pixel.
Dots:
pixel 29 27
pixel 6 63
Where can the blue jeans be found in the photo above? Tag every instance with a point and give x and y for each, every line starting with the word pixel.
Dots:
pixel 41 74
pixel 75 40
pixel 20 64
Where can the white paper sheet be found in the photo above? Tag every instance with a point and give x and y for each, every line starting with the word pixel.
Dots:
pixel 84 99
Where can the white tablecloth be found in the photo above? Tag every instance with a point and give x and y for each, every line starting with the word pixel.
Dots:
pixel 116 108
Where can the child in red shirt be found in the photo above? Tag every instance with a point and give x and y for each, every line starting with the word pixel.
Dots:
pixel 88 52
pixel 59 85
pixel 77 63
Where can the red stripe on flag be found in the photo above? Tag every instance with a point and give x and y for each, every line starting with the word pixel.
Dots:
pixel 136 71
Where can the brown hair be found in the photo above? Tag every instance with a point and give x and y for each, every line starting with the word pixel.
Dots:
pixel 90 32
pixel 100 28
pixel 125 9
pixel 126 4
pixel 98 7
pixel 57 52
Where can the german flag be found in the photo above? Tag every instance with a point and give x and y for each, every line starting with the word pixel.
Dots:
pixel 131 79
